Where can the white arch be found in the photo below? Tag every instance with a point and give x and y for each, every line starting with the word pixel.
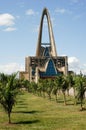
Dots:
pixel 51 36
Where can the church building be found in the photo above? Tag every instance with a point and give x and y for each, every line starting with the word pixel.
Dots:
pixel 46 63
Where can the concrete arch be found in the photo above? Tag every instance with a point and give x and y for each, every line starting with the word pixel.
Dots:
pixel 51 36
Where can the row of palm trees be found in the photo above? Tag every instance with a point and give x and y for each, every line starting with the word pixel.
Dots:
pixel 60 85
pixel 10 87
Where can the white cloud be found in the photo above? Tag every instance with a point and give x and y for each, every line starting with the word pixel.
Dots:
pixel 76 66
pixel 73 60
pixel 30 12
pixel 77 2
pixel 60 10
pixel 84 65
pixel 9 29
pixel 6 19
pixel 11 68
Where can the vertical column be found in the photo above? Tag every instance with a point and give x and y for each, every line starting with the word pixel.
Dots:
pixel 66 65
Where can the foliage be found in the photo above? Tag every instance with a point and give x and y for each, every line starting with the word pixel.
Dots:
pixel 60 84
pixel 8 92
pixel 10 85
pixel 81 88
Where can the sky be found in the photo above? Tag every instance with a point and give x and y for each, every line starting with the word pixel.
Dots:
pixel 19 25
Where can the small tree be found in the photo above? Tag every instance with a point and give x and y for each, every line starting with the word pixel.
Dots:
pixel 25 84
pixel 49 87
pixel 8 93
pixel 42 86
pixel 56 87
pixel 70 78
pixel 64 87
pixel 81 88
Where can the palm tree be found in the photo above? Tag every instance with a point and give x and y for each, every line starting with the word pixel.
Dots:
pixel 8 93
pixel 42 86
pixel 81 88
pixel 56 87
pixel 49 88
pixel 39 88
pixel 3 78
pixel 70 78
pixel 25 84
pixel 33 87
pixel 64 87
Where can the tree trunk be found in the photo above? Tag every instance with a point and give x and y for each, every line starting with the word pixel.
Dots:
pixel 81 104
pixel 74 91
pixel 43 94
pixel 64 98
pixel 49 96
pixel 56 97
pixel 9 117
pixel 75 100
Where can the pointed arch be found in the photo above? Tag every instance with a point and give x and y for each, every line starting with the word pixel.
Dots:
pixel 51 36
pixel 50 70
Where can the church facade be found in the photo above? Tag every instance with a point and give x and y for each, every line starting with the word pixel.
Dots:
pixel 46 63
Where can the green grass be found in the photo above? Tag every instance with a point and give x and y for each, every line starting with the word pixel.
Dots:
pixel 36 113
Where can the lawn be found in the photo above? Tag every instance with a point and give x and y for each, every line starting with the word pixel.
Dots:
pixel 36 113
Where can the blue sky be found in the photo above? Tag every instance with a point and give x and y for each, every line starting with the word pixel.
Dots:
pixel 19 23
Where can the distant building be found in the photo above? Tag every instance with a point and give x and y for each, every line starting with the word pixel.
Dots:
pixel 46 63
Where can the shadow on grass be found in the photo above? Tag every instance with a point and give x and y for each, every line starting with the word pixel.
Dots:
pixel 27 112
pixel 68 101
pixel 60 101
pixel 27 122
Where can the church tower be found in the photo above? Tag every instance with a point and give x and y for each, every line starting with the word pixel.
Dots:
pixel 46 63
pixel 51 36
